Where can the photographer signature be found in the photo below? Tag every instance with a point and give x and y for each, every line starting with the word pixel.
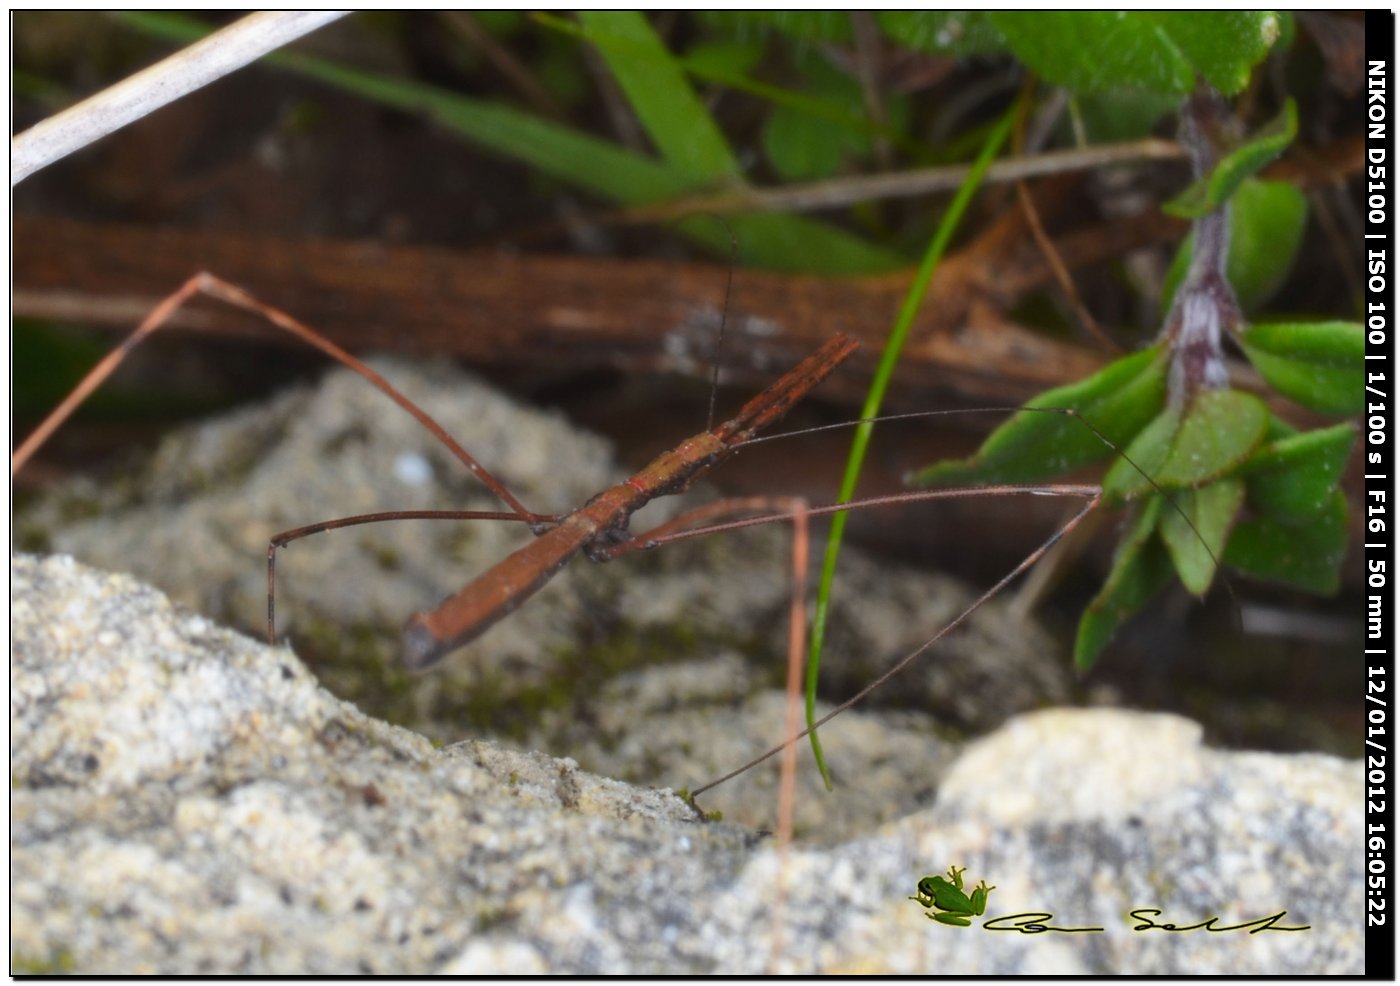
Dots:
pixel 946 900
pixel 1034 923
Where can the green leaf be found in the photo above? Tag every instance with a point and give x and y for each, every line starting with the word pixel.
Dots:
pixel 842 113
pixel 1267 219
pixel 1144 457
pixel 1293 478
pixel 1318 364
pixel 1208 193
pixel 801 25
pixel 1308 555
pixel 1197 547
pixel 1122 114
pixel 660 94
pixel 723 58
pixel 1224 46
pixel 1094 50
pixel 1218 431
pixel 801 147
pixel 1278 429
pixel 1119 400
pixel 796 244
pixel 55 361
pixel 502 23
pixel 1141 568
pixel 964 33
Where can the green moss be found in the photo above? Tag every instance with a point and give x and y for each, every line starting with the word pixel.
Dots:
pixel 58 962
pixel 489 917
pixel 358 663
pixel 384 556
pixel 361 664
pixel 74 509
pixel 350 436
pixel 34 538
pixel 460 543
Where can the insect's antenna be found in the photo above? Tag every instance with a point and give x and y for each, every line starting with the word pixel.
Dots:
pixel 1171 502
pixel 723 319
pixel 724 311
pixel 1026 563
pixel 1068 412
pixel 909 658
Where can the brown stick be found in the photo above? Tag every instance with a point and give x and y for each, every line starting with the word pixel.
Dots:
pixel 634 315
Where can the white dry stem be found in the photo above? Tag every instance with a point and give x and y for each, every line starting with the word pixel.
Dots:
pixel 148 90
pixel 850 189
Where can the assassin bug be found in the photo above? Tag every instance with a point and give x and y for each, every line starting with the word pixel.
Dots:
pixel 598 529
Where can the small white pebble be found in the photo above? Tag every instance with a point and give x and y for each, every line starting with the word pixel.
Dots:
pixel 412 469
pixel 761 327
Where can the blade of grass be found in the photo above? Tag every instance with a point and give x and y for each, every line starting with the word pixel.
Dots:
pixel 893 346
pixel 678 124
pixel 808 103
pixel 661 96
pixel 778 242
pixel 582 159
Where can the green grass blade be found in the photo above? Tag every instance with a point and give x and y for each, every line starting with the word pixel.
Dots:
pixel 888 359
pixel 813 105
pixel 775 241
pixel 560 151
pixel 657 87
pixel 661 96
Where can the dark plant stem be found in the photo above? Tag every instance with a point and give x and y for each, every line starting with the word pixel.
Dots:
pixel 1205 303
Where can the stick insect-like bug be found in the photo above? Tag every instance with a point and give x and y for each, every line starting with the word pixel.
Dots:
pixel 597 529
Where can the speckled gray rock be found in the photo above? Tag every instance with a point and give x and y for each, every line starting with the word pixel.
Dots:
pixel 657 668
pixel 187 800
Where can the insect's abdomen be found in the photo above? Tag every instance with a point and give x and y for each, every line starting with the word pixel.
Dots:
pixel 429 637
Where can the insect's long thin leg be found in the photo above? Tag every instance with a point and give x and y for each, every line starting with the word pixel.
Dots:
pixel 797 652
pixel 208 284
pixel 1093 494
pixel 694 523
pixel 795 511
pixel 702 520
pixel 284 538
pixel 100 373
pixel 236 296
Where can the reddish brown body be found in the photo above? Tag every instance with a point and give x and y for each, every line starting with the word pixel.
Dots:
pixel 429 637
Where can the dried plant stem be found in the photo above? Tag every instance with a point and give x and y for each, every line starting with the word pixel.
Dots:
pixel 839 192
pixel 198 65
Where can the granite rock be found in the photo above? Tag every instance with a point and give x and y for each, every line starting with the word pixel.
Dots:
pixel 185 799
